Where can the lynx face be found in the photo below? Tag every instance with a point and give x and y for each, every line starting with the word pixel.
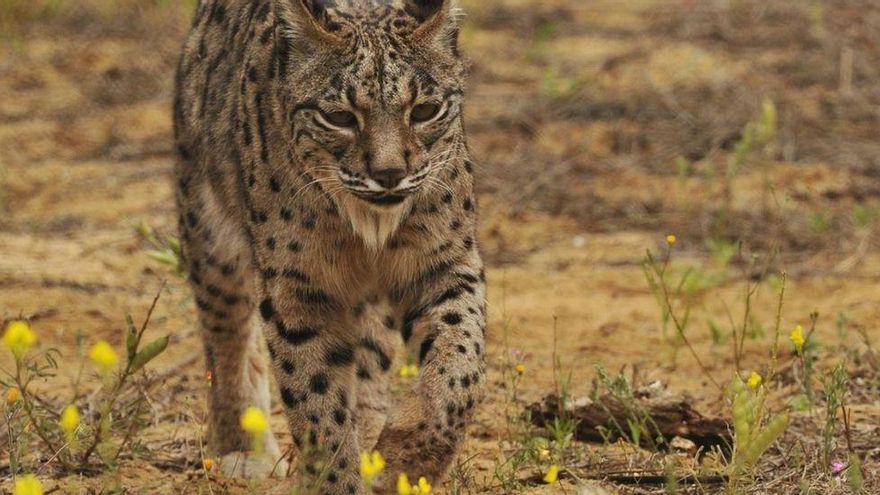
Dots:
pixel 377 106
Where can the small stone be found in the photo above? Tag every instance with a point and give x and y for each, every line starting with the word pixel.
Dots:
pixel 683 445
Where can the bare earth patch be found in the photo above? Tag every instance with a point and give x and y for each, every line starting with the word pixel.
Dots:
pixel 600 128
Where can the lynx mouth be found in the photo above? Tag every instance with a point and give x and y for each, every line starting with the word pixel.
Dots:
pixel 382 199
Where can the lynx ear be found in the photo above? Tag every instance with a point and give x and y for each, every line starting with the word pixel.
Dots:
pixel 438 20
pixel 423 10
pixel 307 21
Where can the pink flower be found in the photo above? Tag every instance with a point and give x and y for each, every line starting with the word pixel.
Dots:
pixel 837 467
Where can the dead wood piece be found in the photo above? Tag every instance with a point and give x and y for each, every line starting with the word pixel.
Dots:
pixel 608 419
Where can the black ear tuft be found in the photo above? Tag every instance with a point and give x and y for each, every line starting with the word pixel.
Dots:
pixel 318 10
pixel 422 10
pixel 308 22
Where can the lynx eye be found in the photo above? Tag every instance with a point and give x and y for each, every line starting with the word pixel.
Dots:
pixel 341 119
pixel 424 112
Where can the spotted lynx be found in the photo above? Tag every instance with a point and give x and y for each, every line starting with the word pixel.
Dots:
pixel 327 216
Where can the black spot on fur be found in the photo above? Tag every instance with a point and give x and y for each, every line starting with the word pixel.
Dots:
pixel 339 416
pixel 290 398
pixel 319 382
pixel 263 13
pixel 287 366
pixel 363 374
pixel 314 297
pixel 425 348
pixel 409 320
pixel 373 346
pixel 452 318
pixel 340 356
pixel 267 310
pixel 296 336
pixel 389 322
pixel 295 274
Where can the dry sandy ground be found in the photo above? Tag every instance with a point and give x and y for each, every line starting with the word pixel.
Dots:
pixel 85 157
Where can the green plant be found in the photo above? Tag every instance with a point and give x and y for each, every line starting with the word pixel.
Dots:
pixel 556 85
pixel 523 445
pixel 718 337
pixel 640 428
pixel 656 274
pixel 757 137
pixel 165 249
pixel 834 388
pixel 755 429
pixel 820 222
pixel 116 409
pixel 855 476
pixel 805 346
pixel 863 216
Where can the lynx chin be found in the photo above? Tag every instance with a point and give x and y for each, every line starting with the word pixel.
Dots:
pixel 327 217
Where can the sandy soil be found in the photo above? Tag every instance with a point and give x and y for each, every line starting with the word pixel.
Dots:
pixel 85 158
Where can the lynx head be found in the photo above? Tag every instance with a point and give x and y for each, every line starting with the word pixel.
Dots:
pixel 373 92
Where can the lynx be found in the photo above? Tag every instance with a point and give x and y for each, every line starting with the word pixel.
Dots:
pixel 327 217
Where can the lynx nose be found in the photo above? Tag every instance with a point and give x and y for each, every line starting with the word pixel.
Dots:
pixel 389 178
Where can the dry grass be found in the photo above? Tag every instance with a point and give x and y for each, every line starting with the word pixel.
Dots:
pixel 600 126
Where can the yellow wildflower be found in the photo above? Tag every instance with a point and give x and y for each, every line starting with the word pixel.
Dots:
pixel 424 487
pixel 371 466
pixel 754 381
pixel 671 239
pixel 520 369
pixel 552 474
pixel 797 338
pixel 19 338
pixel 69 421
pixel 208 464
pixel 254 421
pixel 104 356
pixel 27 485
pixel 403 486
pixel 12 395
pixel 409 371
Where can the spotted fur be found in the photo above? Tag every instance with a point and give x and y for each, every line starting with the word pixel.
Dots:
pixel 326 202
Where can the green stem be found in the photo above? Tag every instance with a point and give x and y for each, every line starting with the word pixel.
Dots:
pixel 29 412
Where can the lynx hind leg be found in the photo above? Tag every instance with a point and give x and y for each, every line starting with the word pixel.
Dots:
pixel 221 276
pixel 374 358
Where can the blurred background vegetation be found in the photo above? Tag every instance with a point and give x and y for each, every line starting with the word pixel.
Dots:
pixel 599 127
pixel 619 117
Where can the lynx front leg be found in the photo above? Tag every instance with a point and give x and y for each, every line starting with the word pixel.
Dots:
pixel 221 276
pixel 445 329
pixel 314 360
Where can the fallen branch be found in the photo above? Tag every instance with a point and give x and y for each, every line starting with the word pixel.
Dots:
pixel 600 420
